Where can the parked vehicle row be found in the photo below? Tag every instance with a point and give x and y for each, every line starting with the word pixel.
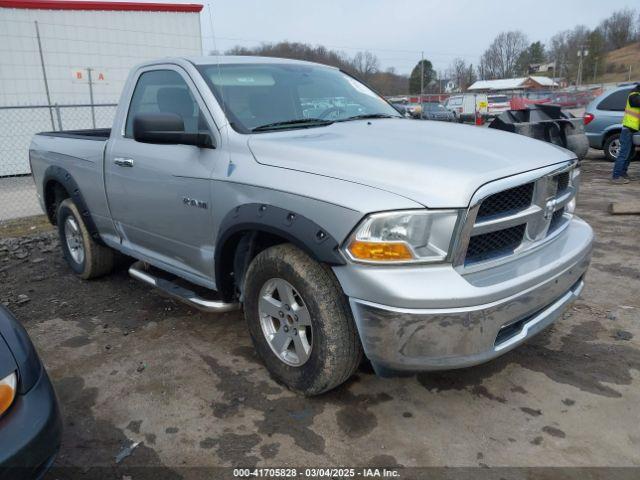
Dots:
pixel 425 111
pixel 421 245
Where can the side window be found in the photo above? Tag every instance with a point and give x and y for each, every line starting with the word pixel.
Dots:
pixel 164 91
pixel 616 102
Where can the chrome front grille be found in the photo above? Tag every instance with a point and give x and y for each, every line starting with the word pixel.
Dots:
pixel 499 243
pixel 507 201
pixel 562 181
pixel 516 218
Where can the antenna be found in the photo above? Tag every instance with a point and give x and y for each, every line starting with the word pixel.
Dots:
pixel 215 47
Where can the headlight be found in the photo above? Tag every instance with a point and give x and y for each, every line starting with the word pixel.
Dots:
pixel 412 236
pixel 7 391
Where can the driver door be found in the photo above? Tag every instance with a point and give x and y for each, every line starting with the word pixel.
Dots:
pixel 159 194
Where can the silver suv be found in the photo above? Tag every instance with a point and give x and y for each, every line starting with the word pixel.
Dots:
pixel 294 191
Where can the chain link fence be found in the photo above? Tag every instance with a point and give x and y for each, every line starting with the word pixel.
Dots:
pixel 64 69
pixel 18 124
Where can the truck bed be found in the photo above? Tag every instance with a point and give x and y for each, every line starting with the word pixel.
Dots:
pixel 79 153
pixel 98 134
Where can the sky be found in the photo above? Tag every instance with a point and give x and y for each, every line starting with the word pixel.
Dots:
pixel 395 30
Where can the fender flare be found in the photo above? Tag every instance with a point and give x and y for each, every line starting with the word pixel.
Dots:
pixel 62 176
pixel 295 228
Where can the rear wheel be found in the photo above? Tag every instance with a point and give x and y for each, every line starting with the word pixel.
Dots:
pixel 86 257
pixel 612 147
pixel 300 321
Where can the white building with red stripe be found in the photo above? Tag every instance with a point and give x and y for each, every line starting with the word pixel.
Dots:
pixel 50 48
pixel 108 37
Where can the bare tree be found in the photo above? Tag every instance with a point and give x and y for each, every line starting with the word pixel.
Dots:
pixel 501 58
pixel 389 82
pixel 365 65
pixel 297 51
pixel 564 47
pixel 461 73
pixel 619 28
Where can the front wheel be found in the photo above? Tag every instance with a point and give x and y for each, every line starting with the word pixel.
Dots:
pixel 300 321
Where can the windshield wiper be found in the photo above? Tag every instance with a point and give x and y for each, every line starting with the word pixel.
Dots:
pixel 365 116
pixel 298 122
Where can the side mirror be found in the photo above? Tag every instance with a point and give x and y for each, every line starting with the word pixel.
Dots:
pixel 167 128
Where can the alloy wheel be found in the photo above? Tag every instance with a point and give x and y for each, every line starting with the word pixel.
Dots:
pixel 73 237
pixel 285 322
pixel 614 148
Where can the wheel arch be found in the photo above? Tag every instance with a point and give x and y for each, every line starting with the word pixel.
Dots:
pixel 611 131
pixel 251 228
pixel 58 185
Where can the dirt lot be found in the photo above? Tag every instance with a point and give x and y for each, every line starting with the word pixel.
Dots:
pixel 132 366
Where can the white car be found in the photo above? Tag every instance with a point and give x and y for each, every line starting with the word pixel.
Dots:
pixel 497 104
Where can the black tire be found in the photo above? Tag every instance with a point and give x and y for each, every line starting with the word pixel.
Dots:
pixel 97 260
pixel 608 145
pixel 609 155
pixel 336 351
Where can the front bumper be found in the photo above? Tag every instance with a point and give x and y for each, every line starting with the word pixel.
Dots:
pixel 30 433
pixel 434 318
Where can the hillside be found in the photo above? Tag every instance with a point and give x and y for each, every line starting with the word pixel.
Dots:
pixel 616 65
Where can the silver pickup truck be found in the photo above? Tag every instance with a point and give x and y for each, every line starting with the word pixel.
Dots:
pixel 294 191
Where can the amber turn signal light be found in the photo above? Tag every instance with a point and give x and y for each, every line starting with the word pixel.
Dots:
pixel 7 392
pixel 380 251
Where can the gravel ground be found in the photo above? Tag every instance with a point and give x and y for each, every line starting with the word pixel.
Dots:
pixel 132 366
pixel 18 197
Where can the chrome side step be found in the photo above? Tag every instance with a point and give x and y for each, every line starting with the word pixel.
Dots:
pixel 140 272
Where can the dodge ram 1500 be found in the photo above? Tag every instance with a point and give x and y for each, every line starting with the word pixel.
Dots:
pixel 294 191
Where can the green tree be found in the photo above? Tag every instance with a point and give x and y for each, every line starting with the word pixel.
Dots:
pixel 414 79
pixel 535 53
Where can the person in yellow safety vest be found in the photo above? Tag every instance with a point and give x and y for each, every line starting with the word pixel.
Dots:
pixel 630 126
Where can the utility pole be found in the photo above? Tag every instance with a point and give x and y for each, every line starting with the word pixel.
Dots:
pixel 44 76
pixel 582 52
pixel 93 109
pixel 421 75
pixel 595 69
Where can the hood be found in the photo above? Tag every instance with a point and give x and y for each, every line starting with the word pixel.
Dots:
pixel 438 165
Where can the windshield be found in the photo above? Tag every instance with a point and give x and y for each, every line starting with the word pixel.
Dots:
pixel 434 107
pixel 498 99
pixel 276 96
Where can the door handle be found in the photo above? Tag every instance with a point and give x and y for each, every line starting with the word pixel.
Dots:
pixel 123 162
